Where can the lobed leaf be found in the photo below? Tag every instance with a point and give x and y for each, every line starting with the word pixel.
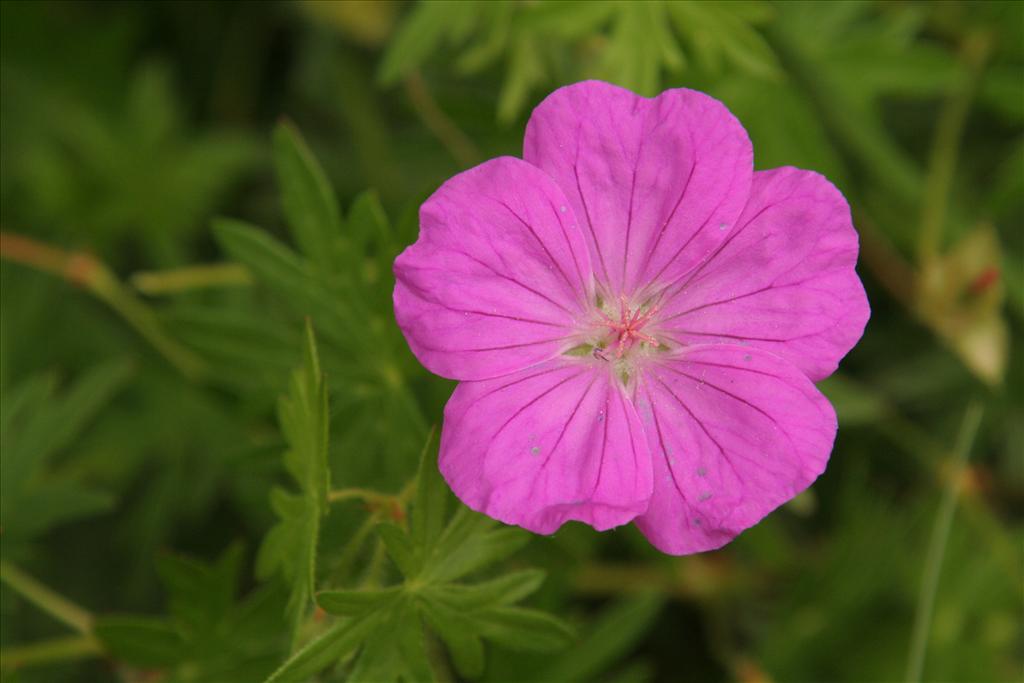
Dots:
pixel 338 642
pixel 140 641
pixel 353 603
pixel 310 206
pixel 291 546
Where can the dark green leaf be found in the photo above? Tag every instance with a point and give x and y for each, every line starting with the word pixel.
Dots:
pixel 431 502
pixel 617 630
pixel 520 628
pixel 140 641
pixel 459 636
pixel 200 595
pixel 400 548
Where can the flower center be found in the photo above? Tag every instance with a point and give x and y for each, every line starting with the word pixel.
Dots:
pixel 627 329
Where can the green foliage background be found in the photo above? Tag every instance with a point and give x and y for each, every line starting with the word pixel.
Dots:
pixel 217 453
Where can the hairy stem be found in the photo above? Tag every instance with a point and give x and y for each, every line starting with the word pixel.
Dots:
pixel 46 599
pixel 945 147
pixel 937 545
pixel 440 124
pixel 56 650
pixel 175 280
pixel 88 272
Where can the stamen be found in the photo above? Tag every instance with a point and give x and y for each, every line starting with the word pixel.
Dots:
pixel 627 328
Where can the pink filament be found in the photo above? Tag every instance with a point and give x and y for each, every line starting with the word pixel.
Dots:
pixel 629 325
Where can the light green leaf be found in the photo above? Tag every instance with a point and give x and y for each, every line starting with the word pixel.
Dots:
pixel 309 202
pixel 340 641
pixel 504 590
pixel 356 602
pixel 478 549
pixel 423 31
pixel 284 273
pixel 291 546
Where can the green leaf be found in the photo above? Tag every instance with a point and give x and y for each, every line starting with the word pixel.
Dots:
pixel 271 262
pixel 411 643
pixel 36 426
pixel 400 548
pixel 200 595
pixel 52 503
pixel 503 590
pixel 459 636
pixel 309 202
pixel 427 25
pixel 478 549
pixel 356 602
pixel 523 629
pixel 291 546
pixel 640 43
pixel 340 641
pixel 616 632
pixel 429 508
pixel 369 234
pixel 140 641
pixel 284 273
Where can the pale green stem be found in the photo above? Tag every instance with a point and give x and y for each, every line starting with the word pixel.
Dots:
pixel 91 274
pixel 105 285
pixel 56 650
pixel 945 147
pixel 46 599
pixel 937 545
pixel 176 280
pixel 365 495
pixel 440 124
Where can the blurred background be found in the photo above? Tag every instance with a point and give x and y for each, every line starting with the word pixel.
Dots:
pixel 145 340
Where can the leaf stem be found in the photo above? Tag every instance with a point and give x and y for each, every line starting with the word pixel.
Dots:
pixel 946 145
pixel 88 272
pixel 366 495
pixel 46 599
pixel 58 649
pixel 440 124
pixel 176 280
pixel 937 545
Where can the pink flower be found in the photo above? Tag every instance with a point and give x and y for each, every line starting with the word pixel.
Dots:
pixel 636 318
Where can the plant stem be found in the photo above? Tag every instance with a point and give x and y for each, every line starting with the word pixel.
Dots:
pixel 58 649
pixel 945 147
pixel 88 272
pixel 937 545
pixel 46 599
pixel 440 124
pixel 175 280
pixel 366 495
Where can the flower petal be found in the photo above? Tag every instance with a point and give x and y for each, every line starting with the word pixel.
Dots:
pixel 655 183
pixel 498 276
pixel 734 432
pixel 557 442
pixel 783 281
